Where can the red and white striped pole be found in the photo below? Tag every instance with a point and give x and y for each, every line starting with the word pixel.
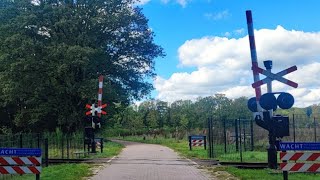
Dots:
pixel 100 94
pixel 254 58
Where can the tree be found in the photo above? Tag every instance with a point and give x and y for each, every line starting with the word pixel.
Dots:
pixel 52 51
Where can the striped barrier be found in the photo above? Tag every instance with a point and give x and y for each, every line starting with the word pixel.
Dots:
pixel 299 166
pixel 197 141
pixel 20 161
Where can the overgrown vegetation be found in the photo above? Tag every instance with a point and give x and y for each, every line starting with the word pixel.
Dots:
pixel 52 52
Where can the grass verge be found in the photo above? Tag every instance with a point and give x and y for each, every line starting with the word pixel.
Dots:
pixel 267 174
pixel 110 149
pixel 54 172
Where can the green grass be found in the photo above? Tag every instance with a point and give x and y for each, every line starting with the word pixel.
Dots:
pixel 248 156
pixel 62 171
pixel 110 149
pixel 267 174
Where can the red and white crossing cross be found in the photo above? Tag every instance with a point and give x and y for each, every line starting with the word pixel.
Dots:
pixel 271 76
pixel 92 111
pixel 95 109
pixel 100 111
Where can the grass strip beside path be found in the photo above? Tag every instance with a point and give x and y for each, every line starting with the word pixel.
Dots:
pixel 62 171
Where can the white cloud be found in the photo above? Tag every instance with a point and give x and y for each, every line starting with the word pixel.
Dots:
pixel 239 31
pixel 223 65
pixel 217 16
pixel 183 3
pixel 141 2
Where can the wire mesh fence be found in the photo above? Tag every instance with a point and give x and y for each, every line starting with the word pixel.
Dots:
pixel 241 140
pixel 60 146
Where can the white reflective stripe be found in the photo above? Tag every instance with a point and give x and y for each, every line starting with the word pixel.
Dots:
pixel 39 168
pixel 286 157
pixel 288 166
pixel 100 85
pixel 10 160
pixel 26 160
pixel 26 170
pixel 99 97
pixel 304 168
pixel 10 170
pixel 39 159
pixel 305 156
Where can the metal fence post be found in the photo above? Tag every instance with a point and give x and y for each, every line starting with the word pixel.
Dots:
pixel 62 154
pixel 315 129
pixel 38 140
pixel 68 146
pixel 209 137
pixel 20 140
pixel 240 140
pixel 236 134
pixel 190 146
pixel 225 135
pixel 244 122
pixel 46 152
pixel 251 126
pixel 294 128
pixel 101 147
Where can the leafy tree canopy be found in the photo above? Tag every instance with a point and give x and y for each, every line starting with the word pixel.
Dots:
pixel 52 51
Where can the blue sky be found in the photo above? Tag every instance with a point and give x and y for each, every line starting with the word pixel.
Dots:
pixel 208 51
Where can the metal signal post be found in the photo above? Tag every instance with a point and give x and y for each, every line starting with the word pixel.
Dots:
pixel 263 105
pixel 94 115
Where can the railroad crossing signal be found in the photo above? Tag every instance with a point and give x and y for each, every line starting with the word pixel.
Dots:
pixel 95 109
pixel 271 76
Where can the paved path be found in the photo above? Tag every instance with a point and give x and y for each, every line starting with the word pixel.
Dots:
pixel 150 162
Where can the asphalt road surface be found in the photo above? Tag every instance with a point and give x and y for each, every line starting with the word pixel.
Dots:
pixel 140 161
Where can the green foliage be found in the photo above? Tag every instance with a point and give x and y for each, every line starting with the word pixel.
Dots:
pixel 266 174
pixel 182 115
pixel 51 54
pixel 62 171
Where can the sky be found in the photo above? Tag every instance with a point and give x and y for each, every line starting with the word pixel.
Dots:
pixel 207 47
